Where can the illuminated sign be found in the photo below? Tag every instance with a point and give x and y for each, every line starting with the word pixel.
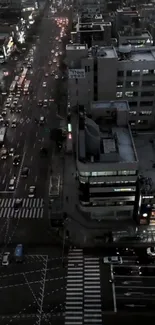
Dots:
pixel 76 73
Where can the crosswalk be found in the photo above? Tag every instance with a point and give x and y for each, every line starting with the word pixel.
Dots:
pixel 83 293
pixel 31 208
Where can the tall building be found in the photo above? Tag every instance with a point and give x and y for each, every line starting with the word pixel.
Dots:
pixel 107 73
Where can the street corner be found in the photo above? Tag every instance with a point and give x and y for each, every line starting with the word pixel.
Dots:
pixel 18 278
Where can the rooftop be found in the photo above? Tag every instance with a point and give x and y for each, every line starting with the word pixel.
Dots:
pixel 106 52
pixel 135 33
pixel 104 134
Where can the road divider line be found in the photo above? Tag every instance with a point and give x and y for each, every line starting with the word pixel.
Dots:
pixel 113 289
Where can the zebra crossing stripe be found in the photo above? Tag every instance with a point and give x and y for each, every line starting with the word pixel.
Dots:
pixel 30 209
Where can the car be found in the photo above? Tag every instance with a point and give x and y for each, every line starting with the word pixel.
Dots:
pixel 6 123
pixel 151 251
pixel 4 154
pixel 50 62
pixel 4 112
pixel 52 51
pixel 52 73
pixel 32 190
pixel 44 84
pixel 17 204
pixel 43 152
pixel 56 76
pixel 18 253
pixel 54 60
pixel 5 259
pixel 18 109
pixel 14 124
pixel 56 54
pixel 60 53
pixel 16 160
pixel 12 183
pixel 29 65
pixel 1 118
pixel 42 120
pixel 40 102
pixel 113 260
pixel 11 152
pixel 45 102
pixel 25 172
pixel 46 74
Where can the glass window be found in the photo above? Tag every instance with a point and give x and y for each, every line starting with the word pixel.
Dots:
pixel 147 93
pixel 132 104
pixel 119 94
pixel 146 103
pixel 145 113
pixel 145 71
pixel 132 112
pixel 126 172
pixel 135 72
pixel 129 93
pixel 120 73
pixel 84 174
pixel 129 73
pixel 119 84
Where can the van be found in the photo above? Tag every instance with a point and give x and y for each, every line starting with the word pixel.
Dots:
pixel 18 254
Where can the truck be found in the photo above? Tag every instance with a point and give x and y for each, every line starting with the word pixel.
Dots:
pixel 2 134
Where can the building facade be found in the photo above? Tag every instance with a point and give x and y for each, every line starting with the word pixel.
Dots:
pixel 107 73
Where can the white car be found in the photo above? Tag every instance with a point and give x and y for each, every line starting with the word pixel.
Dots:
pixel 5 259
pixel 1 118
pixel 44 84
pixel 151 251
pixel 12 184
pixel 54 60
pixel 112 260
pixel 56 76
pixel 56 54
pixel 11 152
pixel 52 51
pixel 14 124
pixel 46 74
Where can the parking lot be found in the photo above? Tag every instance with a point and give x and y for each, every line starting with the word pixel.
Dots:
pixel 32 290
pixel 128 287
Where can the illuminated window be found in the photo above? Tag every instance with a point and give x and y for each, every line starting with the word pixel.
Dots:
pixel 119 94
pixel 129 93
pixel 145 71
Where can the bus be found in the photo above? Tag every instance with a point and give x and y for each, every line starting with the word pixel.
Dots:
pixel 54 188
pixel 22 77
pixel 13 86
pixel 20 82
pixel 24 72
pixel 27 86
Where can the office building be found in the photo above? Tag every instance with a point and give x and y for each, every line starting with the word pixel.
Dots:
pixel 116 172
pixel 107 163
pixel 107 73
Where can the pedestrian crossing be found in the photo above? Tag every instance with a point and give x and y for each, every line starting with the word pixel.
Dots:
pixel 30 208
pixel 83 294
pixel 92 291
